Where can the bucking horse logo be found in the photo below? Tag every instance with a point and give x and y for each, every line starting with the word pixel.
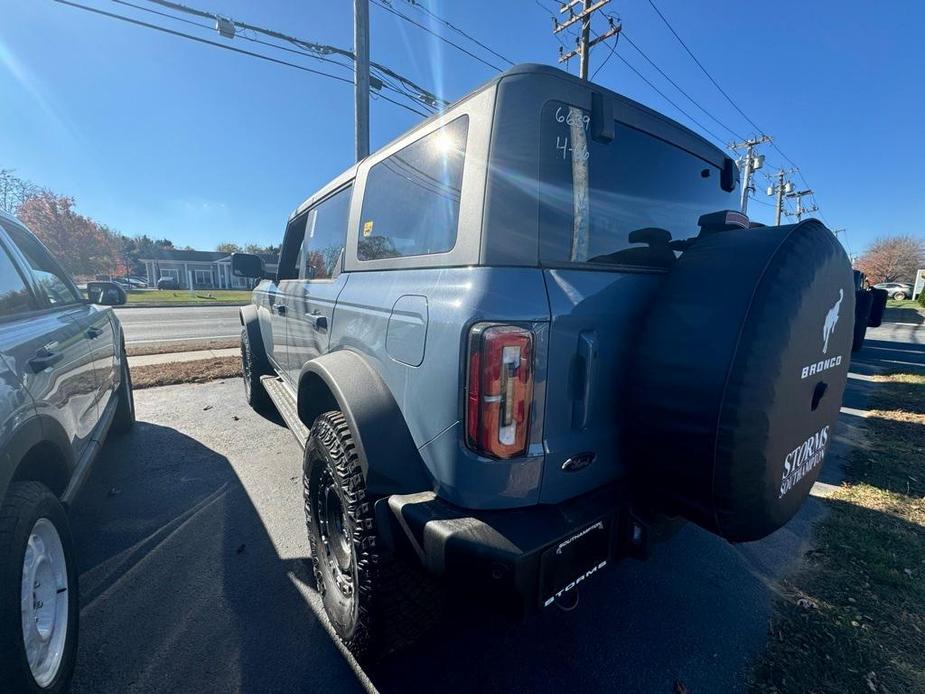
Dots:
pixel 831 318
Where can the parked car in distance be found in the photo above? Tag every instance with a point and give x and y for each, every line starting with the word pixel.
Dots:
pixel 896 290
pixel 517 339
pixel 168 283
pixel 64 385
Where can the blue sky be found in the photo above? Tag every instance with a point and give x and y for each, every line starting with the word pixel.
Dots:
pixel 159 135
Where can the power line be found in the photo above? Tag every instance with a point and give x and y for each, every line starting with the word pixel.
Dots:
pixel 431 31
pixel 678 87
pixel 233 49
pixel 662 94
pixel 315 48
pixel 700 65
pixel 440 19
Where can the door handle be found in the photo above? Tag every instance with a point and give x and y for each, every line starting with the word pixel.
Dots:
pixel 93 332
pixel 43 359
pixel 319 321
pixel 281 309
pixel 587 351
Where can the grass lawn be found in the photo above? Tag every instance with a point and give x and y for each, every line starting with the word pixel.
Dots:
pixel 906 303
pixel 202 296
pixel 201 371
pixel 853 619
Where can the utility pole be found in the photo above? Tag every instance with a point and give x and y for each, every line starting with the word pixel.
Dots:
pixel 749 163
pixel 361 77
pixel 585 42
pixel 800 211
pixel 780 190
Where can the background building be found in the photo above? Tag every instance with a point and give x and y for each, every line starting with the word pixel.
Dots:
pixel 204 269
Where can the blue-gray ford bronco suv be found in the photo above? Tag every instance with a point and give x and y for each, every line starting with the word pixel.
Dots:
pixel 526 336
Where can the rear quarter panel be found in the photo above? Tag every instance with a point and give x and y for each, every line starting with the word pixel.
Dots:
pixel 430 394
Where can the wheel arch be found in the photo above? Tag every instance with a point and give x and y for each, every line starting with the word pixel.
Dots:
pixel 346 381
pixel 251 323
pixel 38 451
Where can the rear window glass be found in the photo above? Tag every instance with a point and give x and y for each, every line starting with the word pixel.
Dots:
pixel 595 195
pixel 324 237
pixel 411 202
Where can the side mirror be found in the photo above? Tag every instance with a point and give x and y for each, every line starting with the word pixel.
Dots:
pixel 248 265
pixel 729 176
pixel 106 294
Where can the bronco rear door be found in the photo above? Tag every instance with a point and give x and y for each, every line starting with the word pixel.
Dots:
pixel 608 210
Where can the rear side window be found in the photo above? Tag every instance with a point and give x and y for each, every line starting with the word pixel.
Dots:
pixel 595 195
pixel 324 237
pixel 15 297
pixel 411 201
pixel 48 275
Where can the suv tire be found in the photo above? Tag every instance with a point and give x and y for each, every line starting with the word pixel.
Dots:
pixel 34 530
pixel 341 532
pixel 388 603
pixel 252 369
pixel 125 411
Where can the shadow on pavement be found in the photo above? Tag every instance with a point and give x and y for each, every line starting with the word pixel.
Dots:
pixel 182 589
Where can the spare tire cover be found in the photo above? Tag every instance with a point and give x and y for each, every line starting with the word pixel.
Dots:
pixel 738 376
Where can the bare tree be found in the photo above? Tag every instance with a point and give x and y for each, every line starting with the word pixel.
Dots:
pixel 228 247
pixel 14 191
pixel 893 259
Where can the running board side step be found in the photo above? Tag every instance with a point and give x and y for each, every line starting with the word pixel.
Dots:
pixel 286 405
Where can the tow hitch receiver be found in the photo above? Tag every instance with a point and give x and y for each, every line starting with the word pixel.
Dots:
pixel 565 565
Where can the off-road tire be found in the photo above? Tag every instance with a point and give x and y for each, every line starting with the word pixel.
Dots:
pixel 253 368
pixel 393 602
pixel 124 418
pixel 25 503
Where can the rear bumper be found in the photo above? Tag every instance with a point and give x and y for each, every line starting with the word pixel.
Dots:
pixel 522 557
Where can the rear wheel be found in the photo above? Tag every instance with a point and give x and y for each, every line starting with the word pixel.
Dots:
pixel 376 603
pixel 38 592
pixel 253 369
pixel 899 296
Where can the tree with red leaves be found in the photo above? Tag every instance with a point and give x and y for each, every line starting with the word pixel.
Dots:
pixel 893 259
pixel 81 245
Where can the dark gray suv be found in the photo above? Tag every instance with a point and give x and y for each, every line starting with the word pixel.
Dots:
pixel 64 384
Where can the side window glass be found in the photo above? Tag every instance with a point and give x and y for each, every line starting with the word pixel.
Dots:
pixel 411 201
pixel 47 273
pixel 325 235
pixel 15 296
pixel 290 257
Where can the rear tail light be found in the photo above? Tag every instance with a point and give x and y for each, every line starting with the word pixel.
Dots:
pixel 499 389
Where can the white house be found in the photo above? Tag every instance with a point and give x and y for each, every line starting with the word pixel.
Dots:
pixel 206 269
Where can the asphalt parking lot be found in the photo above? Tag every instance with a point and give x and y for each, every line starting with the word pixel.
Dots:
pixel 194 579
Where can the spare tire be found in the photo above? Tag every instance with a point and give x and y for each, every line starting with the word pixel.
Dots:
pixel 738 377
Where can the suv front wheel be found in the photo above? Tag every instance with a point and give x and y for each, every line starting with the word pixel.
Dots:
pixel 38 592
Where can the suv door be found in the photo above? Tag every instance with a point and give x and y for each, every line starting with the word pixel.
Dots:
pixel 320 280
pixel 608 211
pixel 44 344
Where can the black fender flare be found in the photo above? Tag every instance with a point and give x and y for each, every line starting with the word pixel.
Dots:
pixel 251 323
pixel 346 380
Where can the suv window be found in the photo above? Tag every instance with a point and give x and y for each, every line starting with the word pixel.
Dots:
pixel 324 237
pixel 411 201
pixel 15 296
pixel 594 195
pixel 47 273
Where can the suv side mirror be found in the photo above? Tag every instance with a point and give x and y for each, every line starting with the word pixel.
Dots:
pixel 248 265
pixel 106 294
